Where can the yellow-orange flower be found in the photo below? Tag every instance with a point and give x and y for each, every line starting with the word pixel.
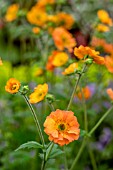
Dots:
pixel 102 28
pixel 39 93
pixel 60 59
pixel 36 30
pixel 110 93
pixel 12 86
pixel 109 63
pixel 37 16
pixel 62 127
pixel 101 42
pixel 82 51
pixel 56 59
pixel 65 20
pixel 39 72
pixel 63 39
pixel 70 69
pixel 43 3
pixel 85 92
pixel 104 17
pixel 1 63
pixel 11 13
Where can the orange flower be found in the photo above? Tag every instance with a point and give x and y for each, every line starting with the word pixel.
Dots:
pixel 36 30
pixel 63 39
pixel 60 59
pixel 82 52
pixel 39 93
pixel 70 69
pixel 109 63
pixel 12 86
pixel 101 42
pixel 62 127
pixel 65 20
pixel 37 16
pixel 102 28
pixel 56 59
pixel 1 63
pixel 85 92
pixel 104 17
pixel 11 13
pixel 39 72
pixel 43 3
pixel 110 93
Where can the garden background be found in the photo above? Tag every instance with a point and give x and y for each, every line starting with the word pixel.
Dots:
pixel 26 44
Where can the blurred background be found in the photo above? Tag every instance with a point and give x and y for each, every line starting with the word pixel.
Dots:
pixel 26 42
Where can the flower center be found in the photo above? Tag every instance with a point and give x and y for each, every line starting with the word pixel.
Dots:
pixel 61 126
pixel 14 87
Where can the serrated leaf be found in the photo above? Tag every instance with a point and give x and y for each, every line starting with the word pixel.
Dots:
pixel 30 144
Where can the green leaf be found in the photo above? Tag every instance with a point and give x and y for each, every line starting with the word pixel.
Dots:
pixel 30 144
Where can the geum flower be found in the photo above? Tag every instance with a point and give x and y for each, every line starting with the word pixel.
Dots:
pixel 56 59
pixel 104 17
pixel 110 93
pixel 39 93
pixel 12 86
pixel 84 93
pixel 11 13
pixel 70 69
pixel 109 63
pixel 62 127
pixel 86 52
pixel 65 20
pixel 63 39
pixel 102 28
pixel 37 16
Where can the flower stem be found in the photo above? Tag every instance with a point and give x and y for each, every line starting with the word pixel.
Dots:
pixel 35 119
pixel 76 85
pixel 89 134
pixel 92 158
pixel 79 153
pixel 100 121
pixel 65 159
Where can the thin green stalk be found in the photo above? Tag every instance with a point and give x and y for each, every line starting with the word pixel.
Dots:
pixel 100 121
pixel 75 87
pixel 49 151
pixel 92 159
pixel 85 113
pixel 35 119
pixel 79 154
pixel 89 134
pixel 65 159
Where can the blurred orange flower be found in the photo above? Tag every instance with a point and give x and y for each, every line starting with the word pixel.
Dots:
pixel 39 72
pixel 1 63
pixel 39 93
pixel 63 39
pixel 101 42
pixel 109 63
pixel 60 59
pixel 43 3
pixel 62 127
pixel 11 13
pixel 85 92
pixel 37 16
pixel 104 17
pixel 65 20
pixel 12 86
pixel 81 52
pixel 102 28
pixel 110 93
pixel 36 30
pixel 56 59
pixel 70 69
